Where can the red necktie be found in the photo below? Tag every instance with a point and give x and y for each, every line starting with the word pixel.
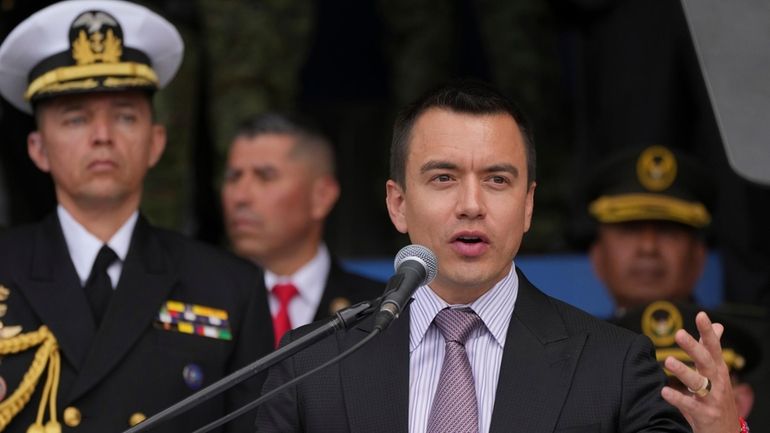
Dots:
pixel 281 322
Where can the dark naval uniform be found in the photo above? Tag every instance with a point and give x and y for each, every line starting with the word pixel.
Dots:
pixel 131 367
pixel 181 315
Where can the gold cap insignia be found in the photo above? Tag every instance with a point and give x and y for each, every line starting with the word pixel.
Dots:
pixel 660 321
pixel 656 168
pixel 96 37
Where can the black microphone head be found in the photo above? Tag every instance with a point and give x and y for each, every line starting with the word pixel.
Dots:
pixel 422 255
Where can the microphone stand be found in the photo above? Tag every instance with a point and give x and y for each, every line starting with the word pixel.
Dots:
pixel 343 320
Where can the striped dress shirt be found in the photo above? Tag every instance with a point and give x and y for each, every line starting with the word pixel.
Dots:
pixel 484 348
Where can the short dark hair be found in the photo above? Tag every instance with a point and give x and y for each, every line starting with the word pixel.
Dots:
pixel 463 96
pixel 310 140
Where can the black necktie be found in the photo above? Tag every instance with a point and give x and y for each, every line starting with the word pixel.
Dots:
pixel 98 286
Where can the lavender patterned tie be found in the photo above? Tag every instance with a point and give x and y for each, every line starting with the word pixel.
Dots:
pixel 455 408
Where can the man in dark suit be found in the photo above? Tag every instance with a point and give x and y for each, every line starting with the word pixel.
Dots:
pixel 107 319
pixel 279 188
pixel 462 184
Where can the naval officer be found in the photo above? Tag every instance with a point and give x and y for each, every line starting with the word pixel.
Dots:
pixel 107 319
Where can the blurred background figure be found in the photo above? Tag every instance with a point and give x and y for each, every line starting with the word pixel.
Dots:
pixel 279 188
pixel 660 320
pixel 651 207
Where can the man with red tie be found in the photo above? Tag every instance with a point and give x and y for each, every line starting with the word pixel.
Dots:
pixel 279 188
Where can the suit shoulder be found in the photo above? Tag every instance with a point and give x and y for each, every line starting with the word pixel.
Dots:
pixel 577 320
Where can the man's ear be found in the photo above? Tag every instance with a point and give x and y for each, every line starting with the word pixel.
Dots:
pixel 37 152
pixel 529 206
pixel 326 191
pixel 596 255
pixel 395 200
pixel 157 145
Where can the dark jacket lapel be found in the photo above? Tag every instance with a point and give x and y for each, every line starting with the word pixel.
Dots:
pixel 331 290
pixel 145 281
pixel 52 283
pixel 375 379
pixel 538 363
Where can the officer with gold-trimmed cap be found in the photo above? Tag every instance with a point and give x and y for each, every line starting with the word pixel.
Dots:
pixel 81 47
pixel 105 319
pixel 660 320
pixel 651 206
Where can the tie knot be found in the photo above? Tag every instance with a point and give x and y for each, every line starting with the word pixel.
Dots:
pixel 104 259
pixel 285 292
pixel 456 325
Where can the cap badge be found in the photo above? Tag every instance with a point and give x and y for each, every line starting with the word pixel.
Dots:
pixel 96 37
pixel 660 321
pixel 656 168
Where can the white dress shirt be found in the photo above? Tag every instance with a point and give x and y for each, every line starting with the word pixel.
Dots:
pixel 484 348
pixel 309 280
pixel 83 246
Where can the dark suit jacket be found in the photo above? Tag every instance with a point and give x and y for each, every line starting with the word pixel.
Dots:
pixel 562 370
pixel 343 285
pixel 128 365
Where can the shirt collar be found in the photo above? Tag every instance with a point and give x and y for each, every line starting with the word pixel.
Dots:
pixel 493 307
pixel 83 246
pixel 310 279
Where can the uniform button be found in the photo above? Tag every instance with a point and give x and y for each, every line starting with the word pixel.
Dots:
pixel 338 304
pixel 136 418
pixel 193 376
pixel 72 416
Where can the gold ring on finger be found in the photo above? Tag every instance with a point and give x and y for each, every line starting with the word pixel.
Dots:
pixel 703 390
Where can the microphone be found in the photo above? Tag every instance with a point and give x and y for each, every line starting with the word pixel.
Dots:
pixel 415 266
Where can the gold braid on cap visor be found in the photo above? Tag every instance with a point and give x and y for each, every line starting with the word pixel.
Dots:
pixel 734 360
pixel 56 78
pixel 631 207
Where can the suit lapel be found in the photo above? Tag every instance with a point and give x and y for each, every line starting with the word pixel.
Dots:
pixel 375 379
pixel 145 281
pixel 53 290
pixel 538 344
pixel 331 290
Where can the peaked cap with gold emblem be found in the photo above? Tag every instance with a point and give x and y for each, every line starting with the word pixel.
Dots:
pixel 654 183
pixel 83 46
pixel 660 320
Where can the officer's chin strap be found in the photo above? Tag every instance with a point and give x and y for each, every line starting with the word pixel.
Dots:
pixel 46 355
